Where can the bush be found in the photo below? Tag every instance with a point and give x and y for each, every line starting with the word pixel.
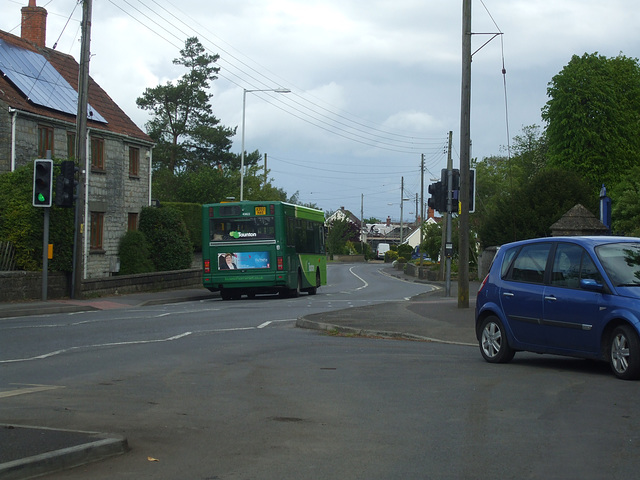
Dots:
pixel 22 224
pixel 404 252
pixel 390 255
pixel 134 253
pixel 167 237
pixel 191 214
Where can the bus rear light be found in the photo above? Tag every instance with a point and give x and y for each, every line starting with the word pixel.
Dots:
pixel 280 263
pixel 210 212
pixel 272 209
pixel 207 266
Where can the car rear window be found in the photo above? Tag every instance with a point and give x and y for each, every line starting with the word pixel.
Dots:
pixel 530 264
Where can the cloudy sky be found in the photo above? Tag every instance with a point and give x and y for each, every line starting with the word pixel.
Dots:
pixel 374 83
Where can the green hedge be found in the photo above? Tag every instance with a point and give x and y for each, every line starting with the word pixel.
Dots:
pixel 192 217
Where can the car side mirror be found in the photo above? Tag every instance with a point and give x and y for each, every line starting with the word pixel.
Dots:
pixel 591 285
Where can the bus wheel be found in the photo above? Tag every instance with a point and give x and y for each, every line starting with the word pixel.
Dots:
pixel 296 291
pixel 225 294
pixel 314 290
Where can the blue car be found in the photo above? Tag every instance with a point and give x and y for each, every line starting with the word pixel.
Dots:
pixel 574 296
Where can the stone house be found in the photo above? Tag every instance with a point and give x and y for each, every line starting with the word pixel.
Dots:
pixel 38 106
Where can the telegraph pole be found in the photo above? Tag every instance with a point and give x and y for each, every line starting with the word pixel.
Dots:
pixel 465 146
pixel 81 150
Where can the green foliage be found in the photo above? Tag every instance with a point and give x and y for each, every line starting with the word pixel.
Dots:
pixel 533 207
pixel 22 224
pixel 390 256
pixel 167 237
pixel 191 214
pixel 187 134
pixel 431 240
pixel 404 252
pixel 592 117
pixel 134 254
pixel 340 232
pixel 626 205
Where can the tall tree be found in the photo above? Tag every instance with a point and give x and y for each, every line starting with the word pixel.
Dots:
pixel 186 132
pixel 592 117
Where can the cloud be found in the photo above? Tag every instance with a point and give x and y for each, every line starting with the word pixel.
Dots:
pixel 374 83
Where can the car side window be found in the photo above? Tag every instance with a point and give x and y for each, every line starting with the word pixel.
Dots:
pixel 530 264
pixel 506 260
pixel 566 266
pixel 589 269
pixel 570 264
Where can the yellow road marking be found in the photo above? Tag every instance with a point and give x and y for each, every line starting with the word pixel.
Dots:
pixel 27 389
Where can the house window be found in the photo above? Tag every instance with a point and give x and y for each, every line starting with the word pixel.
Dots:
pixel 45 141
pixel 71 145
pixel 97 230
pixel 134 161
pixel 132 222
pixel 97 153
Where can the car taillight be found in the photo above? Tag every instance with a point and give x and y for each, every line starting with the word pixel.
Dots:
pixel 280 263
pixel 483 283
pixel 207 266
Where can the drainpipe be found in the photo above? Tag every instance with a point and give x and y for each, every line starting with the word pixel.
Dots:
pixel 150 157
pixel 14 115
pixel 86 237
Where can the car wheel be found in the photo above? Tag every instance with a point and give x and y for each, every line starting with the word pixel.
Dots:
pixel 493 341
pixel 624 353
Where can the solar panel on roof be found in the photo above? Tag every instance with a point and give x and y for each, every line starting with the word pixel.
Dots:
pixel 40 82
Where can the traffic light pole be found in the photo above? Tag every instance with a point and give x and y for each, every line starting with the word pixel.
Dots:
pixel 45 255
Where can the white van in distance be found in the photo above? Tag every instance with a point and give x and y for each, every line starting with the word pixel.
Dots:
pixel 381 250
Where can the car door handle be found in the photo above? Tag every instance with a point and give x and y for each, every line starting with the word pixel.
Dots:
pixel 507 294
pixel 551 298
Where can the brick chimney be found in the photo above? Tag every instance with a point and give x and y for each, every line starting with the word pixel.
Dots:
pixel 34 24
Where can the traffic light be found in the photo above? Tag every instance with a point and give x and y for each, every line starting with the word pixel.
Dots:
pixel 42 182
pixel 438 200
pixel 65 184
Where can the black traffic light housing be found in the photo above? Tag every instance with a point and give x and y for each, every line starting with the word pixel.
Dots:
pixel 42 182
pixel 438 200
pixel 66 184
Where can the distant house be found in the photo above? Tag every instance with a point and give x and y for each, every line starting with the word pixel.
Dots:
pixel 343 214
pixel 413 238
pixel 38 106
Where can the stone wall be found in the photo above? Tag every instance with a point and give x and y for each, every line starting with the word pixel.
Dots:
pixel 21 286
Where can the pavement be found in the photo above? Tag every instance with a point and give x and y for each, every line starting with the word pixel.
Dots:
pixel 29 451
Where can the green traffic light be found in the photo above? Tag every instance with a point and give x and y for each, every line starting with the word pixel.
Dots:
pixel 41 198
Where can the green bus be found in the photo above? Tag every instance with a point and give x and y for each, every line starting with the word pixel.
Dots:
pixel 262 247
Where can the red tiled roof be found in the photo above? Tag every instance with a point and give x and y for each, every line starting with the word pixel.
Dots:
pixel 66 65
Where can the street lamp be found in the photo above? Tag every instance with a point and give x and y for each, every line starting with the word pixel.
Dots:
pixel 244 105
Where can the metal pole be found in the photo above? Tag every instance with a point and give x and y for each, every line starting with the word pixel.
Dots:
pixel 45 255
pixel 244 104
pixel 448 215
pixel 401 209
pixel 422 219
pixel 465 146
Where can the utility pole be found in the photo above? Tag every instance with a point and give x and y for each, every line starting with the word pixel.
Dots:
pixel 422 219
pixel 465 146
pixel 401 209
pixel 265 169
pixel 81 150
pixel 448 249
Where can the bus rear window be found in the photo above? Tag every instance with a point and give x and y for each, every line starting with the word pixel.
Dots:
pixel 242 229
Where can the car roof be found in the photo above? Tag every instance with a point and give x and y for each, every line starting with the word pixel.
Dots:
pixel 591 241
